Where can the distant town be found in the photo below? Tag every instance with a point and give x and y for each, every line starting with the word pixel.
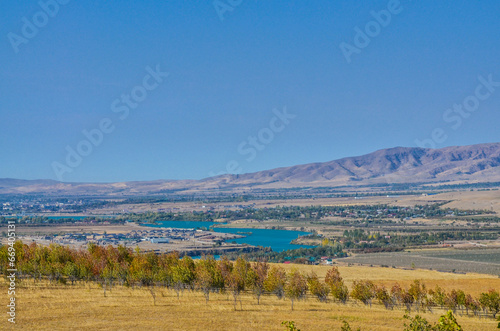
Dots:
pixel 189 241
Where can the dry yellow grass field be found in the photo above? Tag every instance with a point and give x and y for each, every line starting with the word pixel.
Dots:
pixel 471 283
pixel 56 307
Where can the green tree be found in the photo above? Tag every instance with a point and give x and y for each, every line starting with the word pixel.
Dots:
pixel 237 278
pixel 337 287
pixel 183 274
pixel 383 297
pixel 438 296
pixel 317 288
pixel 491 301
pixel 461 299
pixel 346 327
pixel 417 323
pixel 364 291
pixel 71 271
pixel 207 276
pixel 418 292
pixel 447 322
pixel 296 286
pixel 275 281
pixel 255 278
pixel 290 326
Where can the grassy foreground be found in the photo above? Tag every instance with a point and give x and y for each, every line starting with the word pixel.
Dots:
pixel 62 307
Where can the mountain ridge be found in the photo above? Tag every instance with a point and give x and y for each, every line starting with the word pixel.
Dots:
pixel 472 163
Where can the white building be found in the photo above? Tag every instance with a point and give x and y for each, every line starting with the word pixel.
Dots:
pixel 160 240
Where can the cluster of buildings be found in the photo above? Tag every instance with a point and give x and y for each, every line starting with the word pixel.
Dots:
pixel 156 236
pixel 159 236
pixel 30 206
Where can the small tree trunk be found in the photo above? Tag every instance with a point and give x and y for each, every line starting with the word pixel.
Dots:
pixel 153 294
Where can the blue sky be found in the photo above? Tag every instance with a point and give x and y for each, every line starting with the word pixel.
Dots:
pixel 229 78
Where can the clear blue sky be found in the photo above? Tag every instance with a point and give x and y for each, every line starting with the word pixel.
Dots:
pixel 226 77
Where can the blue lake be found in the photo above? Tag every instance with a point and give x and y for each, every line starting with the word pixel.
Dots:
pixel 278 240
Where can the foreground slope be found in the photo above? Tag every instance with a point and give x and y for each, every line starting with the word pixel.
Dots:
pixel 44 306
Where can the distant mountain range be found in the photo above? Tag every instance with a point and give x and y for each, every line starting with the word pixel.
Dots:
pixel 457 164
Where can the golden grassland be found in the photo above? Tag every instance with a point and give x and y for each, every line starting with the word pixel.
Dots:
pixel 44 306
pixel 489 200
pixel 471 282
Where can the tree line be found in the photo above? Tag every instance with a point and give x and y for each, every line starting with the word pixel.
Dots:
pixel 119 265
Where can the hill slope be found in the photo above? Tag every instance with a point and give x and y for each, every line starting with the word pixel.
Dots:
pixel 474 163
pixel 399 164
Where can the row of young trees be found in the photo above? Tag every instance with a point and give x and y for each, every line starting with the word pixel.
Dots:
pixel 110 265
pixel 416 296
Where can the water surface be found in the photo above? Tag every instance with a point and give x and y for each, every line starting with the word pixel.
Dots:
pixel 278 240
